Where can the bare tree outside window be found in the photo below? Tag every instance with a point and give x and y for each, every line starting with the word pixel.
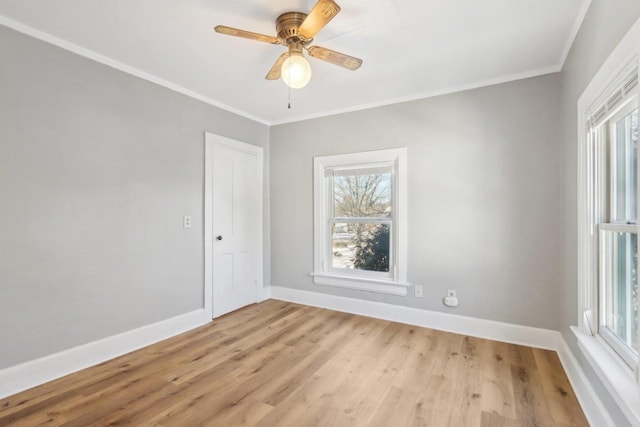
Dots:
pixel 362 217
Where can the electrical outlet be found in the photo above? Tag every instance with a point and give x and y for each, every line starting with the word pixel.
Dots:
pixel 418 291
pixel 451 299
pixel 186 221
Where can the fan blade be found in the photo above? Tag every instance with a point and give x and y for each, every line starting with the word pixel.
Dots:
pixel 336 58
pixel 274 72
pixel 323 12
pixel 246 34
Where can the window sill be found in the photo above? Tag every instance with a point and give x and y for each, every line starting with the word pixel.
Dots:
pixel 616 377
pixel 360 283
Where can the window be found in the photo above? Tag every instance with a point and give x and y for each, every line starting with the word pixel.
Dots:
pixel 360 221
pixel 609 217
pixel 618 249
pixel 607 332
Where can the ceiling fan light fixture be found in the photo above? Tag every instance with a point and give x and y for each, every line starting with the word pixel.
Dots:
pixel 296 31
pixel 296 71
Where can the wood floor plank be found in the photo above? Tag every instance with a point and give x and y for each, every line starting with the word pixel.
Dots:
pixel 497 386
pixel 246 414
pixel 395 408
pixel 491 419
pixel 532 408
pixel 282 364
pixel 563 405
pixel 49 394
pixel 237 346
pixel 468 385
pixel 418 367
pixel 433 405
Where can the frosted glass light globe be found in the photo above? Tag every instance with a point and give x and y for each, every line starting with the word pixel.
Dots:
pixel 296 71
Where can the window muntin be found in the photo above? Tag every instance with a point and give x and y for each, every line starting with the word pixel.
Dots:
pixel 618 253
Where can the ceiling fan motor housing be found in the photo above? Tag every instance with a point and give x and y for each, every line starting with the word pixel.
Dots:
pixel 287 26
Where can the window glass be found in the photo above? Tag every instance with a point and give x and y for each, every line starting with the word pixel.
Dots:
pixel 625 174
pixel 621 288
pixel 362 196
pixel 361 246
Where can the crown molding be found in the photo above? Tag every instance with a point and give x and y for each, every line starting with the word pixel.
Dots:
pixel 113 63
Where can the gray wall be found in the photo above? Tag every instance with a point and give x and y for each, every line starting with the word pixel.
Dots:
pixel 97 169
pixel 484 194
pixel 604 26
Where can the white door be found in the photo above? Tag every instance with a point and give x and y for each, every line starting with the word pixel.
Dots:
pixel 236 223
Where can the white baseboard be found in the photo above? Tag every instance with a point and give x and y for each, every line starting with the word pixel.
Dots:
pixel 266 294
pixel 481 328
pixel 592 406
pixel 594 410
pixel 30 374
pixel 39 371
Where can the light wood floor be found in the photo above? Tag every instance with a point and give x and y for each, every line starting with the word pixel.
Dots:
pixel 283 364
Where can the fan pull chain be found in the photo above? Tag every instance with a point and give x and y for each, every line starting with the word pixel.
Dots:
pixel 289 87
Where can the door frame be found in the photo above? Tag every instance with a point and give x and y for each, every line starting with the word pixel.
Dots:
pixel 211 140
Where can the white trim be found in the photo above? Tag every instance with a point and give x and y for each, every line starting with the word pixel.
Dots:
pixel 589 212
pixel 424 95
pixel 36 372
pixel 266 293
pixel 395 281
pixel 481 328
pixel 30 374
pixel 617 378
pixel 617 62
pixel 113 63
pixel 361 283
pixel 622 57
pixel 103 59
pixel 593 408
pixel 582 13
pixel 620 228
pixel 208 227
pixel 212 139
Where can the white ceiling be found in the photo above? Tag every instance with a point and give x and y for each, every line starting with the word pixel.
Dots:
pixel 411 48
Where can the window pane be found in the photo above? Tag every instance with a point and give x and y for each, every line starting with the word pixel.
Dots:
pixel 626 168
pixel 360 246
pixel 362 195
pixel 621 287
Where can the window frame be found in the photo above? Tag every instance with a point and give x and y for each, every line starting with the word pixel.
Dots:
pixel 628 355
pixel 395 281
pixel 612 224
pixel 603 141
pixel 620 380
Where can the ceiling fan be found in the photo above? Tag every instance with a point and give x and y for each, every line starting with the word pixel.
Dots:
pixel 296 30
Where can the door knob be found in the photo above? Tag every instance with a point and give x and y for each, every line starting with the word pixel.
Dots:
pixel 219 238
